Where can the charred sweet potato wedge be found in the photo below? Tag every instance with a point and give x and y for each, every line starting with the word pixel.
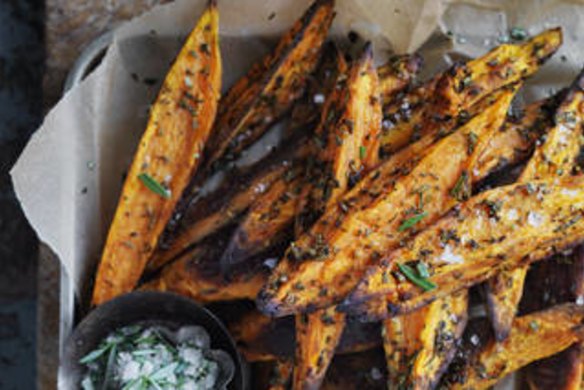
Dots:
pixel 532 337
pixel 550 282
pixel 349 125
pixel 383 209
pixel 556 157
pixel 419 345
pixel 168 155
pixel 262 97
pixel 268 222
pixel 197 275
pixel 503 228
pixel 396 74
pixel 515 141
pixel 274 211
pixel 317 336
pixel 224 206
pixel 269 217
pixel 262 338
pixel 461 87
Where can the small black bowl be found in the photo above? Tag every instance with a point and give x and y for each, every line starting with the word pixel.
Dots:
pixel 150 309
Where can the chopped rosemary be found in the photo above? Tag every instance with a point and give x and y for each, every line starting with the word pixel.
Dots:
pixel 472 142
pixel 461 190
pixel 416 279
pixel 362 151
pixel 410 222
pixel 154 185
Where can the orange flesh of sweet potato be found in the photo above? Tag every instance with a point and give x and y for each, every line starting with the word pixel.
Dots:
pixel 317 336
pixel 420 345
pixel 396 74
pixel 469 83
pixel 337 264
pixel 423 366
pixel 503 228
pixel 349 133
pixel 254 105
pixel 556 157
pixel 168 154
pixel 319 333
pixel 532 337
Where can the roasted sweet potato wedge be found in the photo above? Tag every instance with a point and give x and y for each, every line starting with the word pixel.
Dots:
pixel 269 220
pixel 273 212
pixel 556 157
pixel 197 275
pixel 317 336
pixel 532 337
pixel 168 155
pixel 224 206
pixel 346 146
pixel 396 74
pixel 349 126
pixel 383 209
pixel 262 97
pixel 419 345
pixel 463 86
pixel 562 371
pixel 550 282
pixel 262 338
pixel 503 228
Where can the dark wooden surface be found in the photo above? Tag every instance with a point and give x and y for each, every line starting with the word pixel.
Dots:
pixel 69 26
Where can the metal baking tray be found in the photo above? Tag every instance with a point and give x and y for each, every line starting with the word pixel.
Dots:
pixel 89 59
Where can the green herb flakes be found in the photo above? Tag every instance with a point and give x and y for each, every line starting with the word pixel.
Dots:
pixel 154 185
pixel 415 277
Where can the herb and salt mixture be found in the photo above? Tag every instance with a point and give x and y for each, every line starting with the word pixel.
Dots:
pixel 139 358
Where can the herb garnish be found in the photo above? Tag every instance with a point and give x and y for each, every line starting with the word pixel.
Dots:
pixel 154 185
pixel 362 151
pixel 461 190
pixel 410 222
pixel 415 277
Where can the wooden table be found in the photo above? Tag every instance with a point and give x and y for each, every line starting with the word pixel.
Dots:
pixel 70 26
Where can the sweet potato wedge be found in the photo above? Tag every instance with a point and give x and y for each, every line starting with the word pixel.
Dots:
pixel 262 338
pixel 349 126
pixel 550 282
pixel 274 211
pixel 532 337
pixel 269 217
pixel 464 86
pixel 224 206
pixel 419 345
pixel 383 209
pixel 197 275
pixel 347 146
pixel 396 74
pixel 168 155
pixel 262 97
pixel 317 336
pixel 556 157
pixel 268 221
pixel 562 371
pixel 503 228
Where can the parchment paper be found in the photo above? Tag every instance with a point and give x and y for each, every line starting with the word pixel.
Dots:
pixel 69 176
